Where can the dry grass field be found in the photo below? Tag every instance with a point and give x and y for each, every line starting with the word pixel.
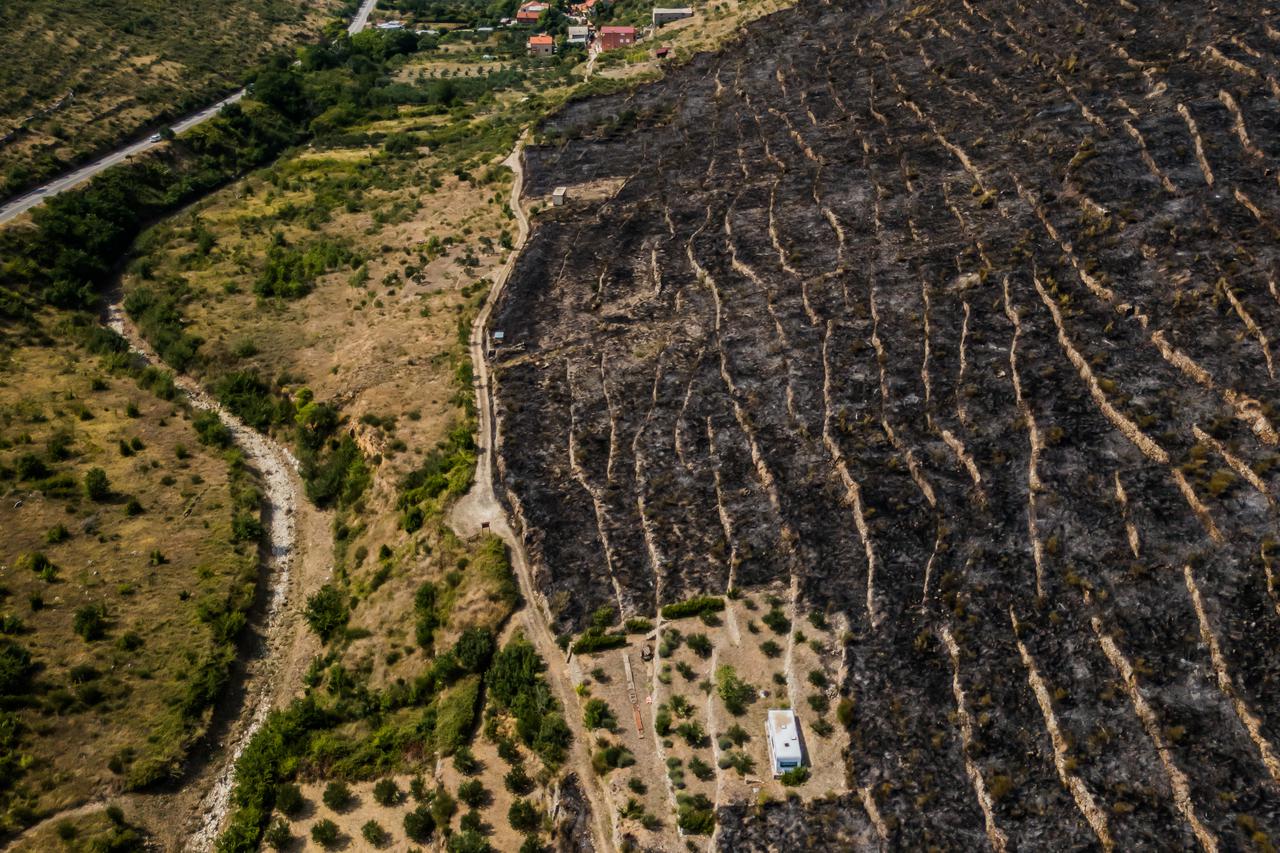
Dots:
pixel 126 601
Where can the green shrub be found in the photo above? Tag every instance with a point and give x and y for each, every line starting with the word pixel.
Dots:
pixel 733 691
pixel 442 807
pixel 325 833
pixel 596 715
pixel 96 485
pixel 455 714
pixel 695 814
pixel 795 776
pixel 693 607
pixel 373 833
pixel 700 644
pixel 777 621
pixel 418 824
pixel 473 793
pixel 517 781
pixel 16 668
pixel 524 816
pixel 844 712
pixel 337 795
pixel 386 792
pixel 90 621
pixel 598 642
pixel 636 625
pixel 465 762
pixel 326 612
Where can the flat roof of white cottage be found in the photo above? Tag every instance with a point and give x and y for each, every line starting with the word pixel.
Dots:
pixel 784 734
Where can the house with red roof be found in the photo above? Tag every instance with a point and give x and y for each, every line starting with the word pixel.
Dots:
pixel 541 45
pixel 530 13
pixel 612 38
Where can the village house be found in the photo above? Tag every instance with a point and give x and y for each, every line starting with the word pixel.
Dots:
pixel 612 38
pixel 529 13
pixel 541 45
pixel 578 35
pixel 665 16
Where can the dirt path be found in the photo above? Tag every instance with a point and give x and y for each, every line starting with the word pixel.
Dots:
pixel 481 505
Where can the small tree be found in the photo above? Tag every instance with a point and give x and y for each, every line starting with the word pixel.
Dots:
pixel 96 485
pixel 90 621
pixel 465 762
pixel 337 795
pixel 596 715
pixel 325 833
pixel 386 792
pixel 442 806
pixel 374 833
pixel 419 824
pixel 473 793
pixel 524 816
pixel 326 612
pixel 518 781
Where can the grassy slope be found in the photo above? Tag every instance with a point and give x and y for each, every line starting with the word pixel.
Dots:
pixel 125 707
pixel 131 64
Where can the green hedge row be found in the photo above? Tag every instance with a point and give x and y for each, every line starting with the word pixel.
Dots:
pixel 693 607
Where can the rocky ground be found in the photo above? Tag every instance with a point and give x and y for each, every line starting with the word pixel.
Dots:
pixel 954 319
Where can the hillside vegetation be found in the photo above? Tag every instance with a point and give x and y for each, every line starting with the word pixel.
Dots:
pixel 128 562
pixel 78 77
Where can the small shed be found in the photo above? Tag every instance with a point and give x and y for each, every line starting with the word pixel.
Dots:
pixel 783 735
pixel 558 196
pixel 662 52
pixel 499 336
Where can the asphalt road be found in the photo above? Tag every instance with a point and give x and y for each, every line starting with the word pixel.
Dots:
pixel 23 203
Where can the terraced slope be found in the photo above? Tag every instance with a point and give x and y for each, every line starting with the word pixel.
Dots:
pixel 957 318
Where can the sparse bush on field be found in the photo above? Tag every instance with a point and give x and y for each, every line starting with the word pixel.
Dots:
pixel 524 816
pixel 325 833
pixel 473 793
pixel 386 792
pixel 96 485
pixel 733 691
pixel 597 715
pixel 90 621
pixel 695 814
pixel 373 833
pixel 326 612
pixel 795 776
pixel 337 795
pixel 419 824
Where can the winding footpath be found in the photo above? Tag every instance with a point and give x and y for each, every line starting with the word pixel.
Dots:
pixel 481 505
pixel 20 205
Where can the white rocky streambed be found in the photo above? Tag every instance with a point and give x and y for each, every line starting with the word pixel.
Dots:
pixel 278 470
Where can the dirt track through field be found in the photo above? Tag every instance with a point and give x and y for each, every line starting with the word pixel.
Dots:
pixel 480 507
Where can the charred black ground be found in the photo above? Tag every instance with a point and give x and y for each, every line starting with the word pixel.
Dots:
pixel 958 318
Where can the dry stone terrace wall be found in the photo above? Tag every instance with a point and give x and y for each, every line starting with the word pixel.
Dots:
pixel 959 318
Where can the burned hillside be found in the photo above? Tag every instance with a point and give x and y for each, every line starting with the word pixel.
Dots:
pixel 957 319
